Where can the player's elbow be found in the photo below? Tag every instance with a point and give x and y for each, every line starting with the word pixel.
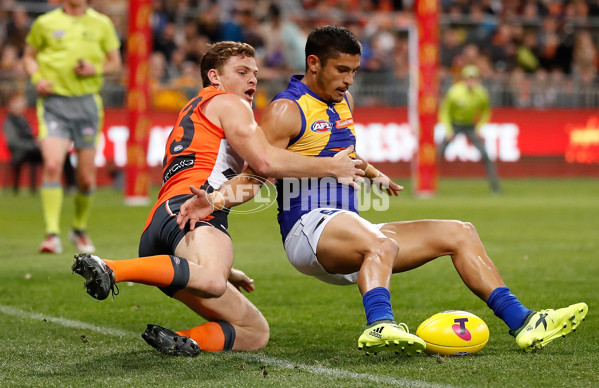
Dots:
pixel 262 167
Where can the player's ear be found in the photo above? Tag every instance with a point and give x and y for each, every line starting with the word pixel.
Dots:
pixel 213 77
pixel 313 63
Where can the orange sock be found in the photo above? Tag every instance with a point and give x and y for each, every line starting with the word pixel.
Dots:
pixel 158 270
pixel 212 336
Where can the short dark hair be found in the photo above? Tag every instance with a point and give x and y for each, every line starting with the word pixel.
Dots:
pixel 330 41
pixel 219 53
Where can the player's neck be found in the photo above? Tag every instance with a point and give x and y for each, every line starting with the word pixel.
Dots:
pixel 311 82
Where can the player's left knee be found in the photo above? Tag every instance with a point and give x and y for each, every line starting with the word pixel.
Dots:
pixel 391 247
pixel 465 232
pixel 386 249
pixel 261 334
pixel 254 335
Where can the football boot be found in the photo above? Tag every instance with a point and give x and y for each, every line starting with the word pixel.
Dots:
pixel 99 277
pixel 388 335
pixel 169 342
pixel 542 327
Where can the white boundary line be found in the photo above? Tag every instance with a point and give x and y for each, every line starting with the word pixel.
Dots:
pixel 317 370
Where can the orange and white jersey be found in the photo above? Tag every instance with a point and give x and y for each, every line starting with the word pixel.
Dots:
pixel 197 152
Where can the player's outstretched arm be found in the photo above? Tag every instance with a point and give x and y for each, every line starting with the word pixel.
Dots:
pixel 235 191
pixel 248 139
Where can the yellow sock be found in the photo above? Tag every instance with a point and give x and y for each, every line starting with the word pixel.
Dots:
pixel 52 204
pixel 83 203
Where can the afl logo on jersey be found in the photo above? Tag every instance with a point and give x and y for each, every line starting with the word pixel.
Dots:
pixel 321 126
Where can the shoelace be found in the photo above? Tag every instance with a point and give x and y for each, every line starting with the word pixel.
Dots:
pixel 112 290
pixel 404 327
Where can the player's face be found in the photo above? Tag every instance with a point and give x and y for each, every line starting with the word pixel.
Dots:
pixel 337 76
pixel 239 77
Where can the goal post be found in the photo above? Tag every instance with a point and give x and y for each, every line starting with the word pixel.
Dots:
pixel 424 95
pixel 139 47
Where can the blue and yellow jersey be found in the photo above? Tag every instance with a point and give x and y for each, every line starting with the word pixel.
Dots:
pixel 327 128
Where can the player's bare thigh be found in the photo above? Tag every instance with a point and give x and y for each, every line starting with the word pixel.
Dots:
pixel 210 249
pixel 344 242
pixel 421 241
pixel 251 328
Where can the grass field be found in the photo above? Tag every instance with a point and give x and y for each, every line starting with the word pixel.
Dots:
pixel 542 234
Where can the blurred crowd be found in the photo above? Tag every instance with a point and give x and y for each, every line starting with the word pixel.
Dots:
pixel 513 41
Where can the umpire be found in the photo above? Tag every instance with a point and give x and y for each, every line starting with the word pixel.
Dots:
pixel 466 109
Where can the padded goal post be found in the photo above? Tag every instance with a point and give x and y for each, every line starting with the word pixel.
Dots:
pixel 424 95
pixel 139 47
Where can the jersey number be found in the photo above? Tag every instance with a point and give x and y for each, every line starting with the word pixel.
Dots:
pixel 186 123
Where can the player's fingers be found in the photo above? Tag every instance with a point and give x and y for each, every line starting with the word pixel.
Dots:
pixel 349 182
pixel 358 171
pixel 345 152
pixel 181 221
pixel 247 284
pixel 183 210
pixel 358 179
pixel 195 190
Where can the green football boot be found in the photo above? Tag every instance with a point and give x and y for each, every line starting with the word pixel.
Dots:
pixel 542 327
pixel 388 335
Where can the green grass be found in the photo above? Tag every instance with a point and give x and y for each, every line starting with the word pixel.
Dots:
pixel 542 234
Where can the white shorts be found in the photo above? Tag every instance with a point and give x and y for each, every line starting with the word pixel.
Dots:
pixel 302 240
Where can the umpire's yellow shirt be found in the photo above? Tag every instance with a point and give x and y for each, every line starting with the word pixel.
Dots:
pixel 465 106
pixel 61 40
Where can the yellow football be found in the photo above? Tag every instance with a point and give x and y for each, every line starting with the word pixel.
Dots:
pixel 453 333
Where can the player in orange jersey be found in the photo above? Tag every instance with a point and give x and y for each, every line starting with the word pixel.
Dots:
pixel 214 134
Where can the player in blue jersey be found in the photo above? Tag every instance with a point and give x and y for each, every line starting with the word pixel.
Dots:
pixel 326 238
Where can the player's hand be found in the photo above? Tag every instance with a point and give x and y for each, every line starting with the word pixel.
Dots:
pixel 346 168
pixel 43 87
pixel 195 209
pixel 384 183
pixel 84 68
pixel 240 280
